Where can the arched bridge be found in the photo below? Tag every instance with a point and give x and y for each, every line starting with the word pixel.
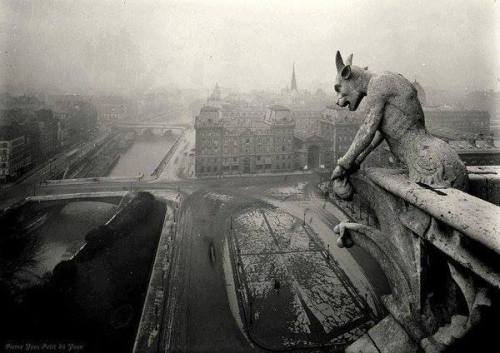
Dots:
pixel 153 127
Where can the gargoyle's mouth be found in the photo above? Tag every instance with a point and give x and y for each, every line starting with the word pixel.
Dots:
pixel 354 105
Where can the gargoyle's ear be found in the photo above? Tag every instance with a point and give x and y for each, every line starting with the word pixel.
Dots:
pixel 346 72
pixel 339 62
pixel 349 60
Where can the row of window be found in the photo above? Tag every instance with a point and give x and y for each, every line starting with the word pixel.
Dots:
pixel 226 168
pixel 259 140
pixel 235 159
pixel 246 149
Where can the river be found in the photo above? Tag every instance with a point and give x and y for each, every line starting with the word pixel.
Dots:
pixel 144 155
pixel 63 231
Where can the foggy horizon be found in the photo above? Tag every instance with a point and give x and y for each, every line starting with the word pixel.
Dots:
pixel 127 47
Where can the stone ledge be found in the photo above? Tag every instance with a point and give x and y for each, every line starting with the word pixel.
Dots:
pixel 472 216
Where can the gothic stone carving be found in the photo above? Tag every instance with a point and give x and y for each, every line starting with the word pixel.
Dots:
pixel 425 284
pixel 393 113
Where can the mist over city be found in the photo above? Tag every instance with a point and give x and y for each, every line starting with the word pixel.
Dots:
pixel 124 47
pixel 249 176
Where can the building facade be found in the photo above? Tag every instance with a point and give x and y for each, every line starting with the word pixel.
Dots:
pixel 228 144
pixel 313 148
pixel 15 157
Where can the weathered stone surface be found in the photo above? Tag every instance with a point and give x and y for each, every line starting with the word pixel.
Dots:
pixel 449 246
pixel 410 217
pixel 364 344
pixel 485 183
pixel 342 188
pixel 389 337
pixel 415 220
pixel 478 219
pixel 394 114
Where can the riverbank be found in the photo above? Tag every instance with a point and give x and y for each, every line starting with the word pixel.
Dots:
pixel 101 161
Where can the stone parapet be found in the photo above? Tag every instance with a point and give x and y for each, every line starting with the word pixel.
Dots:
pixel 439 249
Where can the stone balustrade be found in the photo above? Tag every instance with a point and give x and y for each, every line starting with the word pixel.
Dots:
pixel 439 249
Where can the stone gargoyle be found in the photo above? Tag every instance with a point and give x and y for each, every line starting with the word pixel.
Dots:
pixel 393 113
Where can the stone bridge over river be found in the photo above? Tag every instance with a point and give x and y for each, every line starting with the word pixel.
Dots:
pixel 141 128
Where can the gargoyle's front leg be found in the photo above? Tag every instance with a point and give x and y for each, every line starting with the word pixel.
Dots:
pixel 364 136
pixel 377 140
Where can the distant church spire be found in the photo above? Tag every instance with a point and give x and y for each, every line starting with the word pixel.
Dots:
pixel 216 93
pixel 293 85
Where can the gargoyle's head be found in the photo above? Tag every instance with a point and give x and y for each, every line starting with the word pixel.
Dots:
pixel 348 85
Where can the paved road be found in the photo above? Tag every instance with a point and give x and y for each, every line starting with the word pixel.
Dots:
pixel 202 320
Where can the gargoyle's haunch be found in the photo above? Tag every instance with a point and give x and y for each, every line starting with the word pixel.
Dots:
pixel 394 113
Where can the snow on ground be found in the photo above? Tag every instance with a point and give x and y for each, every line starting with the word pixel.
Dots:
pixel 289 232
pixel 311 287
pixel 328 238
pixel 302 323
pixel 323 292
pixel 253 233
pixel 261 271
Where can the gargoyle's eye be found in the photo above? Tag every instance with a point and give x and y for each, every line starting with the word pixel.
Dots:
pixel 337 88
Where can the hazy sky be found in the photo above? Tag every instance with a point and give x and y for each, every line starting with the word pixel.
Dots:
pixel 130 46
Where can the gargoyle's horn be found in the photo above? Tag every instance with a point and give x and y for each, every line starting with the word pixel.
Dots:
pixel 339 62
pixel 349 60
